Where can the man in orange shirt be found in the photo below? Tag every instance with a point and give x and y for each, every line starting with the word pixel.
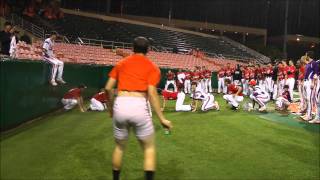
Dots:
pixel 136 78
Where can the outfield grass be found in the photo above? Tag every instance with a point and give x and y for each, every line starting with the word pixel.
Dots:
pixel 212 145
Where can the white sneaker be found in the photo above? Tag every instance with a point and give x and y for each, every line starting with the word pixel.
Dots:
pixel 263 108
pixel 61 81
pixel 315 121
pixel 53 83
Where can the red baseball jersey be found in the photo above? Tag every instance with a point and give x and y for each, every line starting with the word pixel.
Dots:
pixel 188 75
pixel 281 74
pixel 167 95
pixel 233 89
pixel 195 77
pixel 207 74
pixel 101 97
pixel 229 71
pixel 221 73
pixel 246 73
pixel 291 71
pixel 252 74
pixel 269 71
pixel 301 72
pixel 74 93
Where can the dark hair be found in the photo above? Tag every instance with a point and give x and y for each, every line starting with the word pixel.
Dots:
pixel 228 81
pixel 286 87
pixel 53 33
pixel 82 86
pixel 310 54
pixel 7 24
pixel 140 45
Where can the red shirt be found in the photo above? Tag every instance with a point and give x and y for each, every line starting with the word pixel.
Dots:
pixel 188 75
pixel 221 73
pixel 195 76
pixel 135 73
pixel 259 72
pixel 247 74
pixel 228 71
pixel 281 74
pixel 292 71
pixel 269 71
pixel 207 74
pixel 101 97
pixel 252 74
pixel 170 76
pixel 233 89
pixel 301 72
pixel 74 93
pixel 167 95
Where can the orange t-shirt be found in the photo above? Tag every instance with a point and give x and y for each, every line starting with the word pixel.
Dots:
pixel 135 73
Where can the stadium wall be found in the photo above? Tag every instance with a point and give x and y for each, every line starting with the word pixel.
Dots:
pixel 25 93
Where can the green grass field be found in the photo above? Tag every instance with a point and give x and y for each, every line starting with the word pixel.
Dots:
pixel 212 145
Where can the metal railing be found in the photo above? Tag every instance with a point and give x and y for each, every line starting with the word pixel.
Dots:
pixel 27 26
pixel 262 58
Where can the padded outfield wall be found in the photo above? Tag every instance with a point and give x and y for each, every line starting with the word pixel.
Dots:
pixel 25 93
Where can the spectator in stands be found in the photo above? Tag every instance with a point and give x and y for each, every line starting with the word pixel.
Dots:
pixel 5 37
pixel 48 56
pixel 13 43
pixel 74 97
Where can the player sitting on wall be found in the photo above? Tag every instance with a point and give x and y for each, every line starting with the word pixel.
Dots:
pixel 73 97
pixel 98 101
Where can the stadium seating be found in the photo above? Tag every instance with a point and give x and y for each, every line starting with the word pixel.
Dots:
pixel 78 26
pixel 83 54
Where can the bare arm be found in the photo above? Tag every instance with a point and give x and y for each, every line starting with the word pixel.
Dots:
pixel 80 103
pixel 155 102
pixel 163 104
pixel 109 88
pixel 239 91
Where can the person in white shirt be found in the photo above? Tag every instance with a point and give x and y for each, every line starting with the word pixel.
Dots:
pixel 259 95
pixel 13 43
pixel 57 65
pixel 208 103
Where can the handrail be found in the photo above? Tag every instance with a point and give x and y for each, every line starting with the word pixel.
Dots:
pixel 27 26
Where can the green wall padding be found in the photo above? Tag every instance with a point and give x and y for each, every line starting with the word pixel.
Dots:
pixel 25 92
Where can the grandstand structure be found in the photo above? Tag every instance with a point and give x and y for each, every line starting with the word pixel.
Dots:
pixel 92 39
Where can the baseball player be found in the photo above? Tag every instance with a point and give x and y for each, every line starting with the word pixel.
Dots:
pixel 48 56
pixel 13 43
pixel 180 77
pixel 284 100
pixel 229 72
pixel 168 95
pixel 208 103
pixel 234 96
pixel 245 83
pixel 187 82
pixel 207 81
pixel 311 72
pixel 269 81
pixel 180 106
pixel 221 76
pixel 290 78
pixel 170 80
pixel 259 95
pixel 73 97
pixel 98 101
